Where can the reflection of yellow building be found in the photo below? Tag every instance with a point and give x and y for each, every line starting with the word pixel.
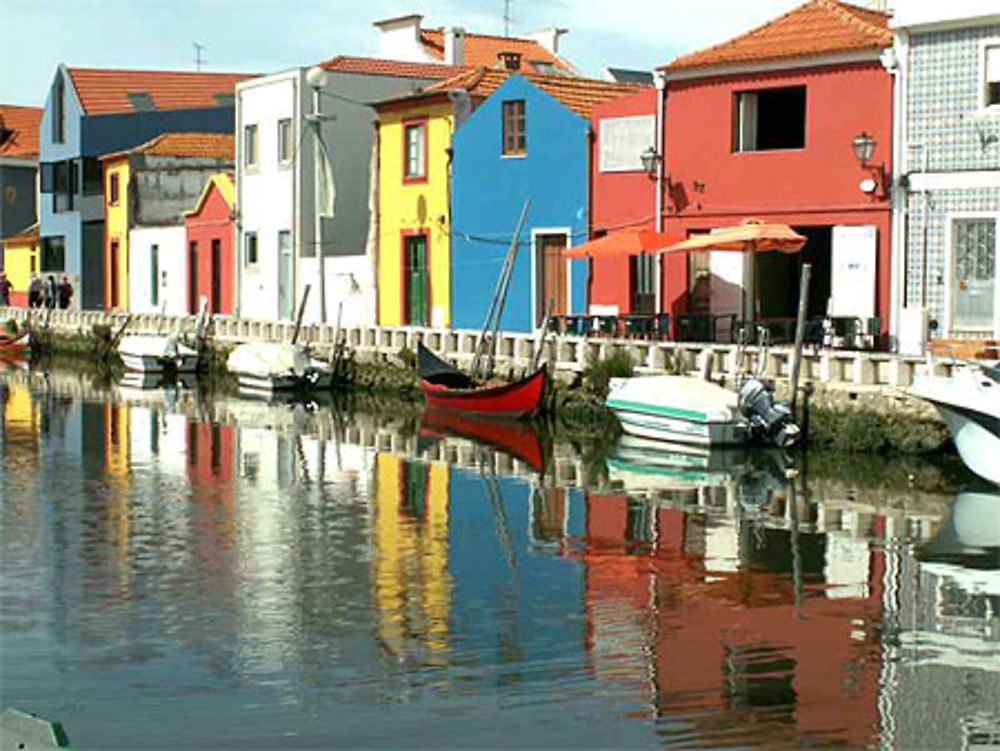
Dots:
pixel 118 470
pixel 412 583
pixel 20 427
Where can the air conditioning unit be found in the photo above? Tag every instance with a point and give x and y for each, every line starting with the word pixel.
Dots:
pixel 913 331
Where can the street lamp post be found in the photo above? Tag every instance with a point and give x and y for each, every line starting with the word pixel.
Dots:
pixel 316 78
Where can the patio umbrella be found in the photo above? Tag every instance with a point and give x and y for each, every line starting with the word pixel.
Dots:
pixel 751 236
pixel 625 242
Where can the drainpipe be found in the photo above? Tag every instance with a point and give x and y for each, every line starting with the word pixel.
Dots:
pixel 238 219
pixel 591 139
pixel 896 63
pixel 660 80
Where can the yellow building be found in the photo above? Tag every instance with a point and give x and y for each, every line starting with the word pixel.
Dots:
pixel 20 261
pixel 414 137
pixel 116 224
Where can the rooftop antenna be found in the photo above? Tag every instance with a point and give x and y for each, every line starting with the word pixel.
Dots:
pixel 506 17
pixel 198 61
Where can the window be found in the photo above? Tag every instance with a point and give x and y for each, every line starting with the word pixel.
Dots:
pixel 642 276
pixel 59 110
pixel 113 189
pixel 154 275
pixel 415 155
pixel 91 176
pixel 250 248
pixel 62 184
pixel 514 140
pixel 769 119
pixel 974 272
pixel 250 146
pixel 991 67
pixel 47 177
pixel 285 143
pixel 53 254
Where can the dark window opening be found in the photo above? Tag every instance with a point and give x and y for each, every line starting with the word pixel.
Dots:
pixel 59 110
pixel 47 177
pixel 91 176
pixel 63 179
pixel 769 119
pixel 53 254
pixel 113 189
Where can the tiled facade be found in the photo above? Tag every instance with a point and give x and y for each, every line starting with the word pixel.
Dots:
pixel 951 143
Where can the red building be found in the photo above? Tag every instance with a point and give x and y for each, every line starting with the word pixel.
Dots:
pixel 763 127
pixel 623 195
pixel 211 264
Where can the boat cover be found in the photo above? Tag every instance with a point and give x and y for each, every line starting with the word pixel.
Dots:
pixel 684 396
pixel 266 359
pixel 165 347
pixel 435 370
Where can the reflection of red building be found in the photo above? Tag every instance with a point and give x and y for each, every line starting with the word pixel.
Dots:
pixel 716 650
pixel 211 264
pixel 211 453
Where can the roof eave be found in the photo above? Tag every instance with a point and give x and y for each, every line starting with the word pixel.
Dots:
pixel 773 65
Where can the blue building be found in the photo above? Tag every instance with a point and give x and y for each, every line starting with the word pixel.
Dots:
pixel 528 140
pixel 92 112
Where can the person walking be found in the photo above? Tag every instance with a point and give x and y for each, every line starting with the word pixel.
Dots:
pixel 49 292
pixel 65 292
pixel 5 288
pixel 35 291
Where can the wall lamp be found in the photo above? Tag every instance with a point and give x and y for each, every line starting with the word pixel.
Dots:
pixel 651 161
pixel 863 146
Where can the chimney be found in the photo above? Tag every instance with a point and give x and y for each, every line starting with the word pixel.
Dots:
pixel 454 45
pixel 509 60
pixel 549 38
pixel 399 39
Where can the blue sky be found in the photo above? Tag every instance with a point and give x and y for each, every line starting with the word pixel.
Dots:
pixel 264 35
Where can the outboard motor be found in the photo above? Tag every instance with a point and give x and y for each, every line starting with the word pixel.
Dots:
pixel 767 417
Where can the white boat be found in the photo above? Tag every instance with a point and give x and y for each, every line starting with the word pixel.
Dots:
pixel 266 367
pixel 969 403
pixel 683 409
pixel 157 354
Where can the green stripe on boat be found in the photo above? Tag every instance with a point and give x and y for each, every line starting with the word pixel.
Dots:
pixel 655 409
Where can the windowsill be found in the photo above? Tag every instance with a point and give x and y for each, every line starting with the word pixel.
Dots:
pixel 514 156
pixel 769 151
pixel 286 164
pixel 251 169
pixel 987 111
pixel 251 267
pixel 415 180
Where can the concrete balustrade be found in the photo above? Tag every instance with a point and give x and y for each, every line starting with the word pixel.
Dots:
pixel 848 369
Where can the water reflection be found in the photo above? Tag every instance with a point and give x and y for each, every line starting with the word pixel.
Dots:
pixel 176 552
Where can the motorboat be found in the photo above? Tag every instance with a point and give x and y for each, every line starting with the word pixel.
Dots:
pixel 157 353
pixel 689 410
pixel 446 387
pixel 969 403
pixel 266 367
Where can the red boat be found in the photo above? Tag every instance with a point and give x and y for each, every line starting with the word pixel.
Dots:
pixel 519 440
pixel 444 386
pixel 12 345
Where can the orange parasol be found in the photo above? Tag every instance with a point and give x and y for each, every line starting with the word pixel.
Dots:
pixel 752 236
pixel 625 242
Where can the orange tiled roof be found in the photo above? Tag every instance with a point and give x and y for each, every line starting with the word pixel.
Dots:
pixel 577 94
pixel 24 122
pixel 194 145
pixel 106 91
pixel 373 66
pixel 482 49
pixel 28 234
pixel 815 28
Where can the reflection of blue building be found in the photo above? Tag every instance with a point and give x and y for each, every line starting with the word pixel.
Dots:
pixel 528 140
pixel 524 605
pixel 89 113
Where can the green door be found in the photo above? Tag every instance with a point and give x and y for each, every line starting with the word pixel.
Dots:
pixel 417 287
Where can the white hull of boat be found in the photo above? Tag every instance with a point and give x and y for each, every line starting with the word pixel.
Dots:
pixel 677 409
pixel 151 364
pixel 969 403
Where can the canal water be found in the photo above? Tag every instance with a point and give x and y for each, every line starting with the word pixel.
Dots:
pixel 185 571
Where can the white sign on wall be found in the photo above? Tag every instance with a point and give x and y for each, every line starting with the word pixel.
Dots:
pixel 852 262
pixel 622 141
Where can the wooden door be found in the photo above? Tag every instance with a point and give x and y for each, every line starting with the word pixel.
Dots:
pixel 193 278
pixel 216 276
pixel 551 281
pixel 416 280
